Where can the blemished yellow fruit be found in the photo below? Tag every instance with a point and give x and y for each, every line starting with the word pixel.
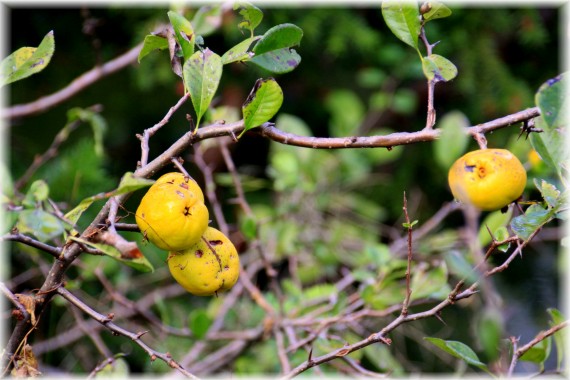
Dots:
pixel 208 267
pixel 179 179
pixel 489 179
pixel 172 216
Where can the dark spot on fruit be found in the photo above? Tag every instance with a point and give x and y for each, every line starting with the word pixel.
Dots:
pixel 184 186
pixel 470 168
pixel 215 242
pixel 226 268
pixel 180 194
pixel 199 253
pixel 481 171
pixel 187 211
pixel 170 182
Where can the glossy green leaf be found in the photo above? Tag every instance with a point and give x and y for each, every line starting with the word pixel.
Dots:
pixel 553 100
pixel 40 224
pixel 273 51
pixel 534 218
pixel 438 68
pixel 403 19
pixel 262 103
pixel 199 322
pixel 183 32
pixel 459 350
pixel 239 52
pixel 202 74
pixel 438 10
pixel 139 263
pixel 207 19
pixel 492 222
pixel 279 37
pixel 152 43
pixel 27 61
pixel 453 139
pixel 252 15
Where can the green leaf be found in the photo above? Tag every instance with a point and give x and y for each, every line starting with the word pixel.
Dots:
pixel 453 139
pixel 430 282
pixel 239 52
pixel 97 122
pixel 493 221
pixel 118 368
pixel 553 101
pixel 410 225
pixel 459 350
pixel 38 192
pixel 438 10
pixel 438 68
pixel 199 322
pixel 128 184
pixel 139 262
pixel 534 218
pixel 202 74
pixel 539 352
pixel 150 44
pixel 501 234
pixel 27 61
pixel 559 337
pixel 183 32
pixel 279 37
pixel 249 227
pixel 252 15
pixel 262 103
pixel 207 19
pixel 40 224
pixel 403 19
pixel 490 330
pixel 549 192
pixel 272 51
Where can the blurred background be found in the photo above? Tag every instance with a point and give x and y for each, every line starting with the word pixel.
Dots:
pixel 321 212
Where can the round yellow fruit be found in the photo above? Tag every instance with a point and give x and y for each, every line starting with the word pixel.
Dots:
pixel 172 216
pixel 489 179
pixel 180 180
pixel 208 267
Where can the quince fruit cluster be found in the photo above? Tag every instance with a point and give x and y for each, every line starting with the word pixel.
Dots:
pixel 172 215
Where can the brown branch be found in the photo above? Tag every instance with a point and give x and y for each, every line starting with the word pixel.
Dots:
pixel 106 320
pixel 409 263
pixel 21 238
pixel 519 352
pixel 77 85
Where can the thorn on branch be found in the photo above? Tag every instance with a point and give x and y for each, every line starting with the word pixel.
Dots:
pixel 528 127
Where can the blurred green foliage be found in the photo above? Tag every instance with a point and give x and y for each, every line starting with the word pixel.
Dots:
pixel 320 214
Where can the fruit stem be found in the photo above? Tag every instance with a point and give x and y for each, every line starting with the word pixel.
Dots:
pixel 214 252
pixel 481 140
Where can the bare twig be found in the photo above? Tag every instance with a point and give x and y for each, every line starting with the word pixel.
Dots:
pixel 409 264
pixel 106 320
pixel 54 251
pixel 79 84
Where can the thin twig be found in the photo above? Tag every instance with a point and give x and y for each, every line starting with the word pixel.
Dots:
pixel 77 85
pixel 24 239
pixel 409 263
pixel 106 320
pixel 519 352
